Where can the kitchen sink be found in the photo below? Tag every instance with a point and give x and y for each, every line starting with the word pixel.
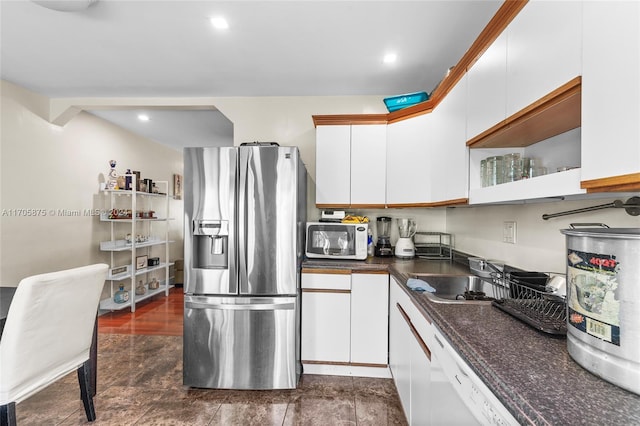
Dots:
pixel 451 288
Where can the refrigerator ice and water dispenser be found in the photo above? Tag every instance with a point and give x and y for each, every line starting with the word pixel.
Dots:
pixel 210 244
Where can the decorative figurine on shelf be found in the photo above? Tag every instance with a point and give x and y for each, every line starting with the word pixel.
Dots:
pixel 140 290
pixel 121 295
pixel 154 284
pixel 112 183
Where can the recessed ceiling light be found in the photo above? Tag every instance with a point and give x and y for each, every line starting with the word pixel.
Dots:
pixel 389 58
pixel 143 117
pixel 219 22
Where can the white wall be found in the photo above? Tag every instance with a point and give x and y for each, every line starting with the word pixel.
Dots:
pixel 51 168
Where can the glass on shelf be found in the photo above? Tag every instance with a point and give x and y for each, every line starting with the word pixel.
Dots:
pixel 483 173
pixel 531 167
pixel 494 170
pixel 511 167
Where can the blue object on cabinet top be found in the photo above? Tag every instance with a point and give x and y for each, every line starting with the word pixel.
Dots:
pixel 395 103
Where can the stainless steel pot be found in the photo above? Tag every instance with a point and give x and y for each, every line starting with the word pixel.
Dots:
pixel 603 302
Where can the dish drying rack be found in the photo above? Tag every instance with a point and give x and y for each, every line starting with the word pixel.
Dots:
pixel 433 245
pixel 530 303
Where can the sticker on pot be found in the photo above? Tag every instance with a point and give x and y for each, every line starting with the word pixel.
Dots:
pixel 591 296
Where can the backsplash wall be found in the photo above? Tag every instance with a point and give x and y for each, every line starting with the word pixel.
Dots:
pixel 539 244
pixel 478 230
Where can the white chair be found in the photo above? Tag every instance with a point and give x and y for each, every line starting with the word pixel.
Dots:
pixel 48 334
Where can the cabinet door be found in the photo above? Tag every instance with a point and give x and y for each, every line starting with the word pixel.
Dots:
pixel 368 164
pixel 325 326
pixel 421 406
pixel 449 171
pixel 543 50
pixel 487 89
pixel 611 89
pixel 369 318
pixel 399 339
pixel 409 154
pixel 333 165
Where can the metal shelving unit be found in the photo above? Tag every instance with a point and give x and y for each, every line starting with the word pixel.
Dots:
pixel 123 217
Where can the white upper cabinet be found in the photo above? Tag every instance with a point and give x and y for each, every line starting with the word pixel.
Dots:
pixel 368 162
pixel 544 50
pixel 449 172
pixel 611 90
pixel 409 160
pixel 350 164
pixel 487 89
pixel 333 165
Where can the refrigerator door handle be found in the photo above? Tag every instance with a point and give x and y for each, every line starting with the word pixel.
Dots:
pixel 246 304
pixel 243 190
pixel 235 307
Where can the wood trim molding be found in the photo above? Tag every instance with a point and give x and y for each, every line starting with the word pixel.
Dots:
pixel 325 290
pixel 304 361
pixel 370 271
pixel 352 364
pixel 367 206
pixel 422 108
pixel 622 183
pixel 350 206
pixel 366 364
pixel 333 206
pixel 445 203
pixel 555 113
pixel 348 119
pixel 326 271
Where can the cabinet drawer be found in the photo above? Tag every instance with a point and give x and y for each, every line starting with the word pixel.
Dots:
pixel 333 281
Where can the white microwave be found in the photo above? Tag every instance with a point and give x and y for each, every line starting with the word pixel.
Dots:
pixel 336 240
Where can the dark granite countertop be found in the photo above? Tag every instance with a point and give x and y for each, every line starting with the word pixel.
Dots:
pixel 530 372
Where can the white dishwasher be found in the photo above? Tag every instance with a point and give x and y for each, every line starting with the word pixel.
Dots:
pixel 459 396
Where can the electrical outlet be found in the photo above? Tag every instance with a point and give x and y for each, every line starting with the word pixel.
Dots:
pixel 509 232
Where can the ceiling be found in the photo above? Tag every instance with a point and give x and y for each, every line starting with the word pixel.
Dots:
pixel 147 48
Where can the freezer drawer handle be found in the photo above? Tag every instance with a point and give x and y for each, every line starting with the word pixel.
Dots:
pixel 239 307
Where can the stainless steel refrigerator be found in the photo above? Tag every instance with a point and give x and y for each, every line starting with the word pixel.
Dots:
pixel 245 213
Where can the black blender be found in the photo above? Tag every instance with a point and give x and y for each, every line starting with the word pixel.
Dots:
pixel 383 245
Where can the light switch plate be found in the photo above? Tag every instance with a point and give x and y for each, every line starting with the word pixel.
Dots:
pixel 509 232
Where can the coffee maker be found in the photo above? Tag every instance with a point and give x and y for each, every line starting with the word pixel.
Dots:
pixel 405 249
pixel 383 244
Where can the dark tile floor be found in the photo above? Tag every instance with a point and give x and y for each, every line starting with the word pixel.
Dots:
pixel 140 383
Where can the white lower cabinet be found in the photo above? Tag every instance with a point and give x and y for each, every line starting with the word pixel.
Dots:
pixel 324 335
pixel 345 323
pixel 410 356
pixel 399 357
pixel 369 318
